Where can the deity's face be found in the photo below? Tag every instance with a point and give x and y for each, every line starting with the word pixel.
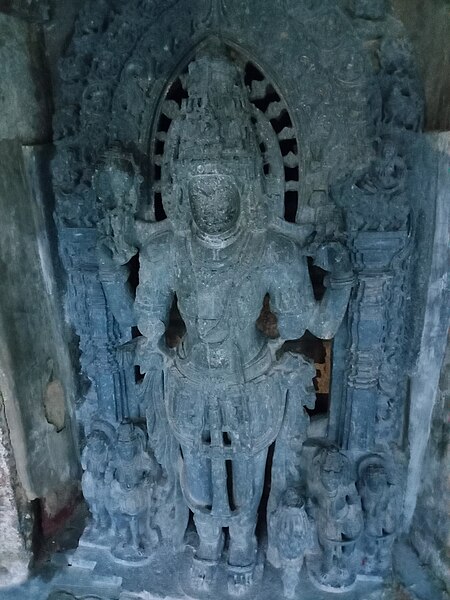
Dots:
pixel 113 187
pixel 127 450
pixel 215 203
pixel 330 479
pixel 376 479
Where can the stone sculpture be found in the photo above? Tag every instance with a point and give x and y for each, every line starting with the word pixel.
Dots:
pixel 116 182
pixel 230 157
pixel 336 509
pixel 293 534
pixel 218 251
pixel 94 461
pixel 380 505
pixel 131 474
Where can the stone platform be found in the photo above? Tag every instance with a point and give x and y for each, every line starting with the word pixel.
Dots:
pixel 88 574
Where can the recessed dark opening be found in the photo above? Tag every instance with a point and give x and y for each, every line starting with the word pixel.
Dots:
pixel 135 332
pixel 226 438
pixel 164 123
pixel 177 92
pixel 282 121
pixel 287 146
pixel 138 375
pixel 159 147
pixel 317 278
pixel 291 173
pixel 229 467
pixel 315 349
pixel 321 407
pixel 261 526
pixel 252 73
pixel 133 273
pixel 176 328
pixel 290 206
pixel 160 213
pixel 267 321
pixel 263 103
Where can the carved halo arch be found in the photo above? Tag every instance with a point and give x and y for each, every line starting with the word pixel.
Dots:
pixel 277 133
pixel 124 57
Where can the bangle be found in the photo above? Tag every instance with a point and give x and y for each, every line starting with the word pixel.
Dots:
pixel 336 283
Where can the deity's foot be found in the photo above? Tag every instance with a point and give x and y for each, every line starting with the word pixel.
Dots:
pixel 202 574
pixel 240 579
pixel 129 554
pixel 241 563
pixel 332 579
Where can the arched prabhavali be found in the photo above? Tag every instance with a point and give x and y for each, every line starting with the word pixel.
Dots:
pixel 277 132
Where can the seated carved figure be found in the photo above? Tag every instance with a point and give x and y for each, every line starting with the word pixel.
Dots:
pixel 218 252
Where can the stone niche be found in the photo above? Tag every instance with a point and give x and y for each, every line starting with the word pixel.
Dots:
pixel 245 213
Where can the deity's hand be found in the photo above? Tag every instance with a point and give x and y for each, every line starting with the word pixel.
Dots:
pixel 147 355
pixel 334 258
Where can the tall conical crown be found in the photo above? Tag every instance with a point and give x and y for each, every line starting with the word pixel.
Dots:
pixel 215 132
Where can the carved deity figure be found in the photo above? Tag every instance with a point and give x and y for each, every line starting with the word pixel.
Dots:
pixel 336 508
pixel 131 474
pixel 293 538
pixel 219 254
pixel 94 461
pixel 379 499
pixel 381 184
pixel 116 184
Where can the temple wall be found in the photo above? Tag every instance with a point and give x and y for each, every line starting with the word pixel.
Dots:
pixel 432 543
pixel 429 474
pixel 38 455
pixel 427 24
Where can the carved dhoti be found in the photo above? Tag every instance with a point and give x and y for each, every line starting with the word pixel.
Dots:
pixel 224 431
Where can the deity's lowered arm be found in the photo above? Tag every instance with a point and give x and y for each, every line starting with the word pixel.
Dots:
pixel 292 297
pixel 155 293
pixel 330 310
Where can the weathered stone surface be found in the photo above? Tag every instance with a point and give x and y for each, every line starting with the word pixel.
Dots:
pixel 14 557
pixel 33 352
pixel 23 101
pixel 434 316
pixel 430 532
pixel 428 25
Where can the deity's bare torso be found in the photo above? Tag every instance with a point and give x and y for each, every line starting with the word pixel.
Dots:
pixel 220 294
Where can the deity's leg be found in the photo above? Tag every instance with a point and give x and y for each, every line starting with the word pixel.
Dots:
pixel 133 523
pixel 196 480
pixel 248 483
pixel 197 488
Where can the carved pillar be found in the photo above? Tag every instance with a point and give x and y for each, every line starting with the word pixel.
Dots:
pixel 96 327
pixel 375 255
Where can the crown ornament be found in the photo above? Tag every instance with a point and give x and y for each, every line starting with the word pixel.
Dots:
pixel 215 132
